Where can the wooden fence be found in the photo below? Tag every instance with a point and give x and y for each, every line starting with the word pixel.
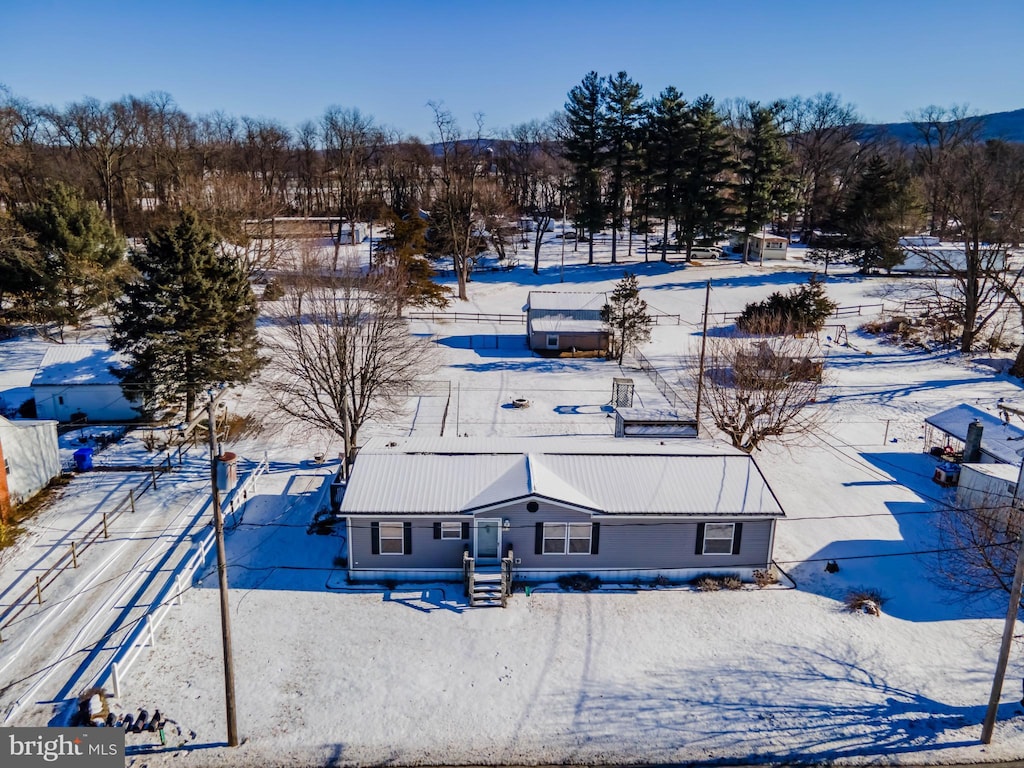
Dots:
pixel 33 594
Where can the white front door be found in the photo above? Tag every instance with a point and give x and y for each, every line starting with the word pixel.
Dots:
pixel 488 541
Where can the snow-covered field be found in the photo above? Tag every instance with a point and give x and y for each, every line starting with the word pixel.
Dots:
pixel 330 674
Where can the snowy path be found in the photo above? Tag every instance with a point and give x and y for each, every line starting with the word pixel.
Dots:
pixel 54 650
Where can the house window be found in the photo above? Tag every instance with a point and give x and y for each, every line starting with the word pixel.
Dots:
pixel 718 538
pixel 567 538
pixel 451 530
pixel 392 539
pixel 60 400
pixel 552 340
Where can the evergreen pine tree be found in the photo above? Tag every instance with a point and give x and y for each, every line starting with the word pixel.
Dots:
pixel 764 156
pixel 585 148
pixel 188 321
pixel 622 115
pixel 78 256
pixel 874 214
pixel 706 160
pixel 626 316
pixel 669 139
pixel 403 266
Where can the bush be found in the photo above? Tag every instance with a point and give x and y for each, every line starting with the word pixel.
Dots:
pixel 765 578
pixel 732 582
pixel 579 582
pixel 803 309
pixel 708 584
pixel 868 601
pixel 273 290
pixel 27 410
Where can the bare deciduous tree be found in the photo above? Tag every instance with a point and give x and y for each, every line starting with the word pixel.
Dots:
pixel 978 546
pixel 342 355
pixel 758 386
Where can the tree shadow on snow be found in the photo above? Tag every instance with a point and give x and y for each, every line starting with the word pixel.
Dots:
pixel 810 708
pixel 903 570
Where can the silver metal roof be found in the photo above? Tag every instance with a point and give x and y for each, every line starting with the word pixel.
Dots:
pixel 606 476
pixel 566 300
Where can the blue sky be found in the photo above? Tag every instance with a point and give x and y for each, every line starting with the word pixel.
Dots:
pixel 511 61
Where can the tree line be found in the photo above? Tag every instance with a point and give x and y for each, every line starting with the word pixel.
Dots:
pixel 680 170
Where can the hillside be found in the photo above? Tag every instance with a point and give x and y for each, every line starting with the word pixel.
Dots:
pixel 1008 126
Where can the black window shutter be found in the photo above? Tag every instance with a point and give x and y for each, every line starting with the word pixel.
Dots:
pixel 437 530
pixel 374 538
pixel 407 535
pixel 737 534
pixel 538 540
pixel 465 530
pixel 699 549
pixel 595 537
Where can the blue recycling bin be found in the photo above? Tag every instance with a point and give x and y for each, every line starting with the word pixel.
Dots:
pixel 83 459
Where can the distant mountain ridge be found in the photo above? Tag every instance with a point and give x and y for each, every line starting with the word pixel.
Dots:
pixel 1008 126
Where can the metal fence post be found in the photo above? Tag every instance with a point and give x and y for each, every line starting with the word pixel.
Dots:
pixel 131 499
pixel 115 679
pixel 74 555
pixel 105 534
pixel 39 591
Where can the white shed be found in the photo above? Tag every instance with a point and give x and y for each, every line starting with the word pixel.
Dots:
pixel 986 486
pixel 767 247
pixel 29 459
pixel 75 382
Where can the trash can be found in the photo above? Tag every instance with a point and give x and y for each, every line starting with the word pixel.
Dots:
pixel 227 471
pixel 83 459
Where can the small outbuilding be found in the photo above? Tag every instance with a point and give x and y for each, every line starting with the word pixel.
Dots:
pixel 29 459
pixel 76 383
pixel 653 422
pixel 766 247
pixel 946 434
pixel 986 486
pixel 559 322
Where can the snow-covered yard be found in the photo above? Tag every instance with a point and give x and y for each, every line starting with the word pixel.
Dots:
pixel 329 673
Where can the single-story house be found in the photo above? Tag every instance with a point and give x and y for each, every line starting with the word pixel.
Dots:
pixel 566 321
pixel 946 433
pixel 420 509
pixel 767 246
pixel 29 459
pixel 75 383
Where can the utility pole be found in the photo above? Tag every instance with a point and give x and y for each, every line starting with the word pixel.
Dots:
pixel 1011 621
pixel 703 346
pixel 222 575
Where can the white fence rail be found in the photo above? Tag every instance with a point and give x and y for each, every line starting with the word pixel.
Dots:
pixel 143 635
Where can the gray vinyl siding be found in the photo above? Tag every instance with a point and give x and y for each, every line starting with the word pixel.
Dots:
pixel 629 543
pixel 427 552
pixel 580 341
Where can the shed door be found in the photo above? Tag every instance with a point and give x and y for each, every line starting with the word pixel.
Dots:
pixel 488 541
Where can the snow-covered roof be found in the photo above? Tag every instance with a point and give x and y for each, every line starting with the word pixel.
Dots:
pixel 78 364
pixel 1006 472
pixel 561 324
pixel 566 300
pixel 999 440
pixel 607 475
pixel 669 415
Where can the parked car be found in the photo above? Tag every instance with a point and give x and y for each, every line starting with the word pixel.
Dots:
pixel 706 252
